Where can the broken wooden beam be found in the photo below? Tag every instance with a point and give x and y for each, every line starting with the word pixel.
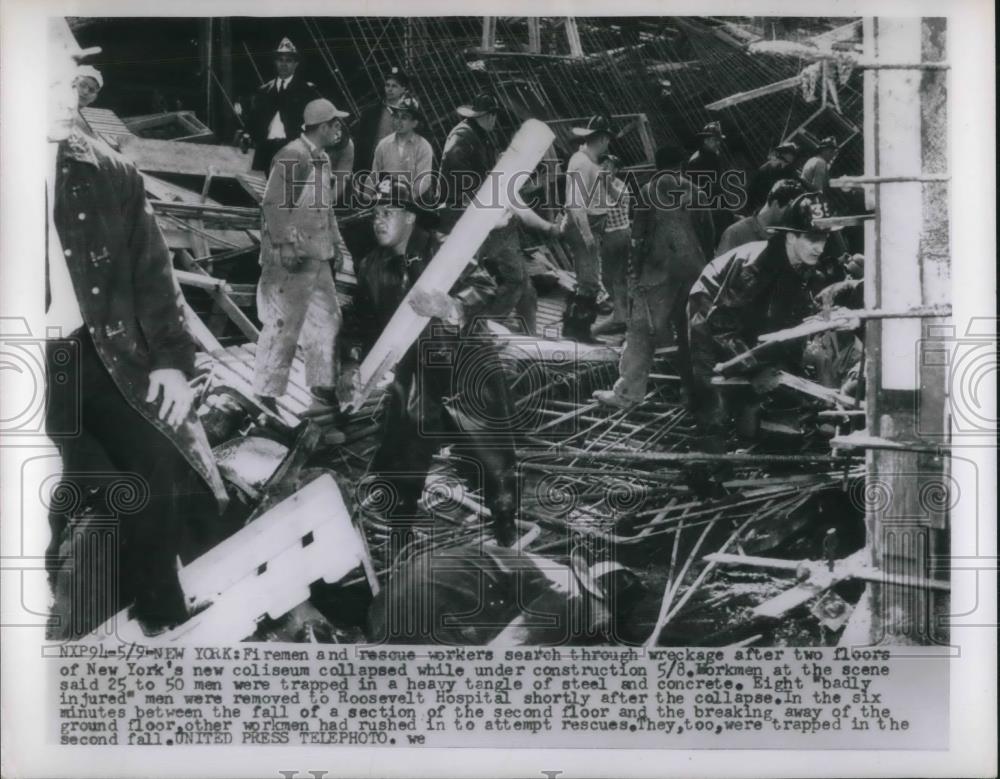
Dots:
pixel 862 440
pixel 753 94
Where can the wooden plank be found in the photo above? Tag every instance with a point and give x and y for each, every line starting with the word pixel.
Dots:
pixel 264 569
pixel 534 35
pixel 178 157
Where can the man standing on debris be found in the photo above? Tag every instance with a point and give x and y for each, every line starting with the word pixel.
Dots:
pixel 816 172
pixel 404 153
pixel 756 227
pixel 468 157
pixel 781 165
pixel 449 388
pixel 587 203
pixel 704 168
pixel 115 309
pixel 755 288
pixel 376 122
pixel 276 114
pixel 673 243
pixel 301 247
pixel 616 246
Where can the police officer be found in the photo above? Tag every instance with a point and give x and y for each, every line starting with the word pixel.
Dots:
pixel 276 115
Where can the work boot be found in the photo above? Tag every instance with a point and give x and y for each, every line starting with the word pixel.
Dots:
pixel 504 530
pixel 609 327
pixel 579 316
pixel 612 399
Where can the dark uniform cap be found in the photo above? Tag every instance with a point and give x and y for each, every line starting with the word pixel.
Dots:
pixel 596 124
pixel 398 75
pixel 481 105
pixel 712 130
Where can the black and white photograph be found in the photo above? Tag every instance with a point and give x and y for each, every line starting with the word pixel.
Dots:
pixel 500 381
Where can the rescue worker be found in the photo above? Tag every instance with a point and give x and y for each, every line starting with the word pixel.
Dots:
pixel 704 168
pixel 276 112
pixel 755 288
pixel 119 360
pixel 781 165
pixel 673 243
pixel 404 152
pixel 587 208
pixel 756 227
pixel 88 82
pixel 301 248
pixel 375 123
pixel 449 387
pixel 469 155
pixel 816 171
pixel 616 247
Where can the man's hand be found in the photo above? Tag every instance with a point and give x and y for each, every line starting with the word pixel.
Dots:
pixel 176 397
pixel 435 304
pixel 765 381
pixel 588 240
pixel 829 295
pixel 290 259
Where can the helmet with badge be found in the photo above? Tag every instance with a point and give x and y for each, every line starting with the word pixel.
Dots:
pixel 810 212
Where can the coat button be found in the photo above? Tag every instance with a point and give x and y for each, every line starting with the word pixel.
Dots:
pixel 81 216
pixel 95 291
pixel 68 252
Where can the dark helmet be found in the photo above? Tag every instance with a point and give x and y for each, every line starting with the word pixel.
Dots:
pixel 808 213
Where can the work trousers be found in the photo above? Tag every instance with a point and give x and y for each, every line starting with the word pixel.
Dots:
pixel 146 495
pixel 295 307
pixel 502 256
pixel 655 313
pixel 616 246
pixel 586 260
pixel 451 391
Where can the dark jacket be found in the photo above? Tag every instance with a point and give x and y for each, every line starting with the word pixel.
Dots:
pixel 289 104
pixel 384 279
pixel 747 291
pixel 469 154
pixel 673 242
pixel 767 175
pixel 123 279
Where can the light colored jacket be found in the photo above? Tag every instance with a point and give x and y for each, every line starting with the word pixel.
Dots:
pixel 298 205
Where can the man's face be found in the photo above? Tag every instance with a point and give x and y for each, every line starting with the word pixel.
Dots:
pixel 390 224
pixel 712 144
pixel 332 133
pixel 393 90
pixel 487 122
pixel 601 143
pixel 805 248
pixel 285 65
pixel 404 122
pixel 86 90
pixel 787 157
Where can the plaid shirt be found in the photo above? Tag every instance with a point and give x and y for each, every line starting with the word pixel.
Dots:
pixel 618 213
